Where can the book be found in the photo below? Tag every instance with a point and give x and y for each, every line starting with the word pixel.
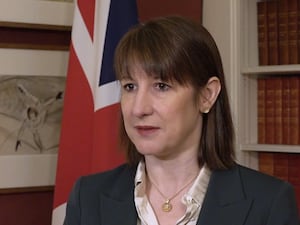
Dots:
pixel 270 111
pixel 283 32
pixel 298 32
pixel 294 107
pixel 278 110
pixel 261 110
pixel 262 29
pixel 281 165
pixel 272 23
pixel 266 162
pixel 285 110
pixel 293 31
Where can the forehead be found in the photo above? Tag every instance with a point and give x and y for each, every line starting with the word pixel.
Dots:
pixel 137 70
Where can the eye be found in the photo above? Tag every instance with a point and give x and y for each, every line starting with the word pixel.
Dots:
pixel 162 86
pixel 129 87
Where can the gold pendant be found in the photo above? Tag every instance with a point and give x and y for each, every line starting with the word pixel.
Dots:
pixel 167 206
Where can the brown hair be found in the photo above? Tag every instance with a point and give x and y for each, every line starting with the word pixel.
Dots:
pixel 179 49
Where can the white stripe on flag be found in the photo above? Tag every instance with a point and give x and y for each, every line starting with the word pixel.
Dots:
pixel 58 214
pixel 107 94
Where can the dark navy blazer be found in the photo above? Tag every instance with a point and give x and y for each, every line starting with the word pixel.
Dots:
pixel 239 196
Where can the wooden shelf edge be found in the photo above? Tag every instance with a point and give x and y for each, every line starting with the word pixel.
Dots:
pixel 276 69
pixel 270 148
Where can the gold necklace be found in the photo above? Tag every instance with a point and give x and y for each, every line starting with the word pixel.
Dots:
pixel 167 206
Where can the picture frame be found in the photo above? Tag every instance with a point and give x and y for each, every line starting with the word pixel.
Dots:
pixel 34 42
pixel 30 121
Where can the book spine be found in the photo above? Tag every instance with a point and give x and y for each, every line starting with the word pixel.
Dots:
pixel 285 110
pixel 294 110
pixel 262 29
pixel 272 19
pixel 281 165
pixel 293 31
pixel 270 111
pixel 278 110
pixel 266 162
pixel 298 30
pixel 261 117
pixel 283 32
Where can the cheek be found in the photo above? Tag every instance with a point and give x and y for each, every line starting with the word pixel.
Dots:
pixel 124 106
pixel 186 113
pixel 181 107
pixel 126 111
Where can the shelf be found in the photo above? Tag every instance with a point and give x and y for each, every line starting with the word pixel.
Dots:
pixel 272 70
pixel 270 148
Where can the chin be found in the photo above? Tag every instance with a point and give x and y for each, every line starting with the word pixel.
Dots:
pixel 146 150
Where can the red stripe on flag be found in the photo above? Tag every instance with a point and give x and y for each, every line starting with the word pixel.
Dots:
pixel 76 131
pixel 87 10
pixel 106 123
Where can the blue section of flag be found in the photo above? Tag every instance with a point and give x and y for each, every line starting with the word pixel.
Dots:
pixel 122 15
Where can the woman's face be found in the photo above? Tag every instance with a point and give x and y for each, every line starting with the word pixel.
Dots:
pixel 161 118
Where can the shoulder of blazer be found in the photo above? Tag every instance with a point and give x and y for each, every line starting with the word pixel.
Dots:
pixel 233 193
pixel 259 181
pixel 109 182
pixel 249 182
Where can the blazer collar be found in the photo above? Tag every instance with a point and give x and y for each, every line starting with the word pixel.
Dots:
pixel 225 202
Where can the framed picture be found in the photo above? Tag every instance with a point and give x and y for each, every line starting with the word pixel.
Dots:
pixel 34 42
pixel 30 120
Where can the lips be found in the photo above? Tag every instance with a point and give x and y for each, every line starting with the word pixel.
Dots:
pixel 146 130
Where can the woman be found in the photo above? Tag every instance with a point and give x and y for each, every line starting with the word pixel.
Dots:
pixel 178 136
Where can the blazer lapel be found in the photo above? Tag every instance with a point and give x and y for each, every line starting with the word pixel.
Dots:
pixel 225 202
pixel 118 207
pixel 115 213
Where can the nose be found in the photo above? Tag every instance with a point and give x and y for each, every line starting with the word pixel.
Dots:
pixel 142 105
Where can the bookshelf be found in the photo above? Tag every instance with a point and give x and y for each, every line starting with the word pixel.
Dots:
pixel 250 72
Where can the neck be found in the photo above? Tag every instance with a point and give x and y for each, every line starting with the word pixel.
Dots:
pixel 169 176
pixel 171 170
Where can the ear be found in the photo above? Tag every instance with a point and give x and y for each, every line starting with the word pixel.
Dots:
pixel 209 94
